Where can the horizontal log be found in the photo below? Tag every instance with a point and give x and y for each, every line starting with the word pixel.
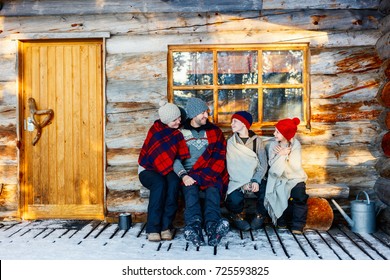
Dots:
pixel 145 117
pixel 8 47
pixel 145 91
pixel 316 39
pixel 8 68
pixel 134 67
pixel 9 201
pixel 56 7
pixel 8 116
pixel 351 87
pixel 362 155
pixel 342 111
pixel 120 178
pixel 9 174
pixel 341 72
pixel 327 190
pixel 8 155
pixel 8 136
pixel 353 176
pixel 340 133
pixel 120 156
pixel 307 4
pixel 192 23
pixel 344 60
pixel 8 94
pixel 125 201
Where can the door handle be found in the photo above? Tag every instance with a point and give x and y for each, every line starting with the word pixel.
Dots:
pixel 38 126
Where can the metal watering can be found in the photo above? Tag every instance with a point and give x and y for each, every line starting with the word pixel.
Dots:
pixel 363 215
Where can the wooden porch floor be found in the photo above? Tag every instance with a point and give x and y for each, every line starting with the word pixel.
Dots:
pixel 69 239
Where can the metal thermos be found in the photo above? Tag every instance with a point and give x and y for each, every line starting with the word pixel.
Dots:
pixel 124 221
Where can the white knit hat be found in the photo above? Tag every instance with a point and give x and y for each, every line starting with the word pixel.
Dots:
pixel 168 113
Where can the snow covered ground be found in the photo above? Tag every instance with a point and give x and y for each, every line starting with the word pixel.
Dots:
pixel 95 243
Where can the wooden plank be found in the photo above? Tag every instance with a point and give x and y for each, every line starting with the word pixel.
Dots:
pixel 335 246
pixel 362 244
pixel 353 251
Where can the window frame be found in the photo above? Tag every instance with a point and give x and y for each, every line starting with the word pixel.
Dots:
pixel 215 48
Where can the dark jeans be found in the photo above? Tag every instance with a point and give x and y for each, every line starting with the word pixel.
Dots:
pixel 162 199
pixel 296 212
pixel 198 202
pixel 235 201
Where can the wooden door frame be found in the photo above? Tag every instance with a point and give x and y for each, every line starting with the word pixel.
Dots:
pixel 19 38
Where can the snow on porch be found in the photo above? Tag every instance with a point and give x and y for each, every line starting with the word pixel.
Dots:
pixel 96 240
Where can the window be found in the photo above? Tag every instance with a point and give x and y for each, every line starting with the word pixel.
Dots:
pixel 269 81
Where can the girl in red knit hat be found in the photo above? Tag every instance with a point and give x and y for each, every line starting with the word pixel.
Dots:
pixel 285 197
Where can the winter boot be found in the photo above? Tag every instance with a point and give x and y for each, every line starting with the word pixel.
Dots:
pixel 257 222
pixel 193 233
pixel 239 222
pixel 216 231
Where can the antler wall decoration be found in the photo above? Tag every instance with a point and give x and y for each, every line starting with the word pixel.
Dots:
pixel 38 126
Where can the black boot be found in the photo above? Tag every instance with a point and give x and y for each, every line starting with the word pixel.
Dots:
pixel 239 222
pixel 216 231
pixel 193 233
pixel 257 222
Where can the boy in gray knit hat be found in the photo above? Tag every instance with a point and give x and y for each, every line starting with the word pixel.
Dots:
pixel 203 174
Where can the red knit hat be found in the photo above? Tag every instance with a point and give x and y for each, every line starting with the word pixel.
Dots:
pixel 245 117
pixel 288 127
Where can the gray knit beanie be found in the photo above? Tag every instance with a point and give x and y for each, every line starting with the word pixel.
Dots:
pixel 195 106
pixel 168 113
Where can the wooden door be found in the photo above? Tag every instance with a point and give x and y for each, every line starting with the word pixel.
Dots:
pixel 62 172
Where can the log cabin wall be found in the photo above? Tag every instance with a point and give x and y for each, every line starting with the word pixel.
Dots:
pixel 343 144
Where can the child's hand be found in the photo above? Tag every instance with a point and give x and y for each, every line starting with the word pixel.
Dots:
pixel 188 181
pixel 247 187
pixel 282 151
pixel 255 187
